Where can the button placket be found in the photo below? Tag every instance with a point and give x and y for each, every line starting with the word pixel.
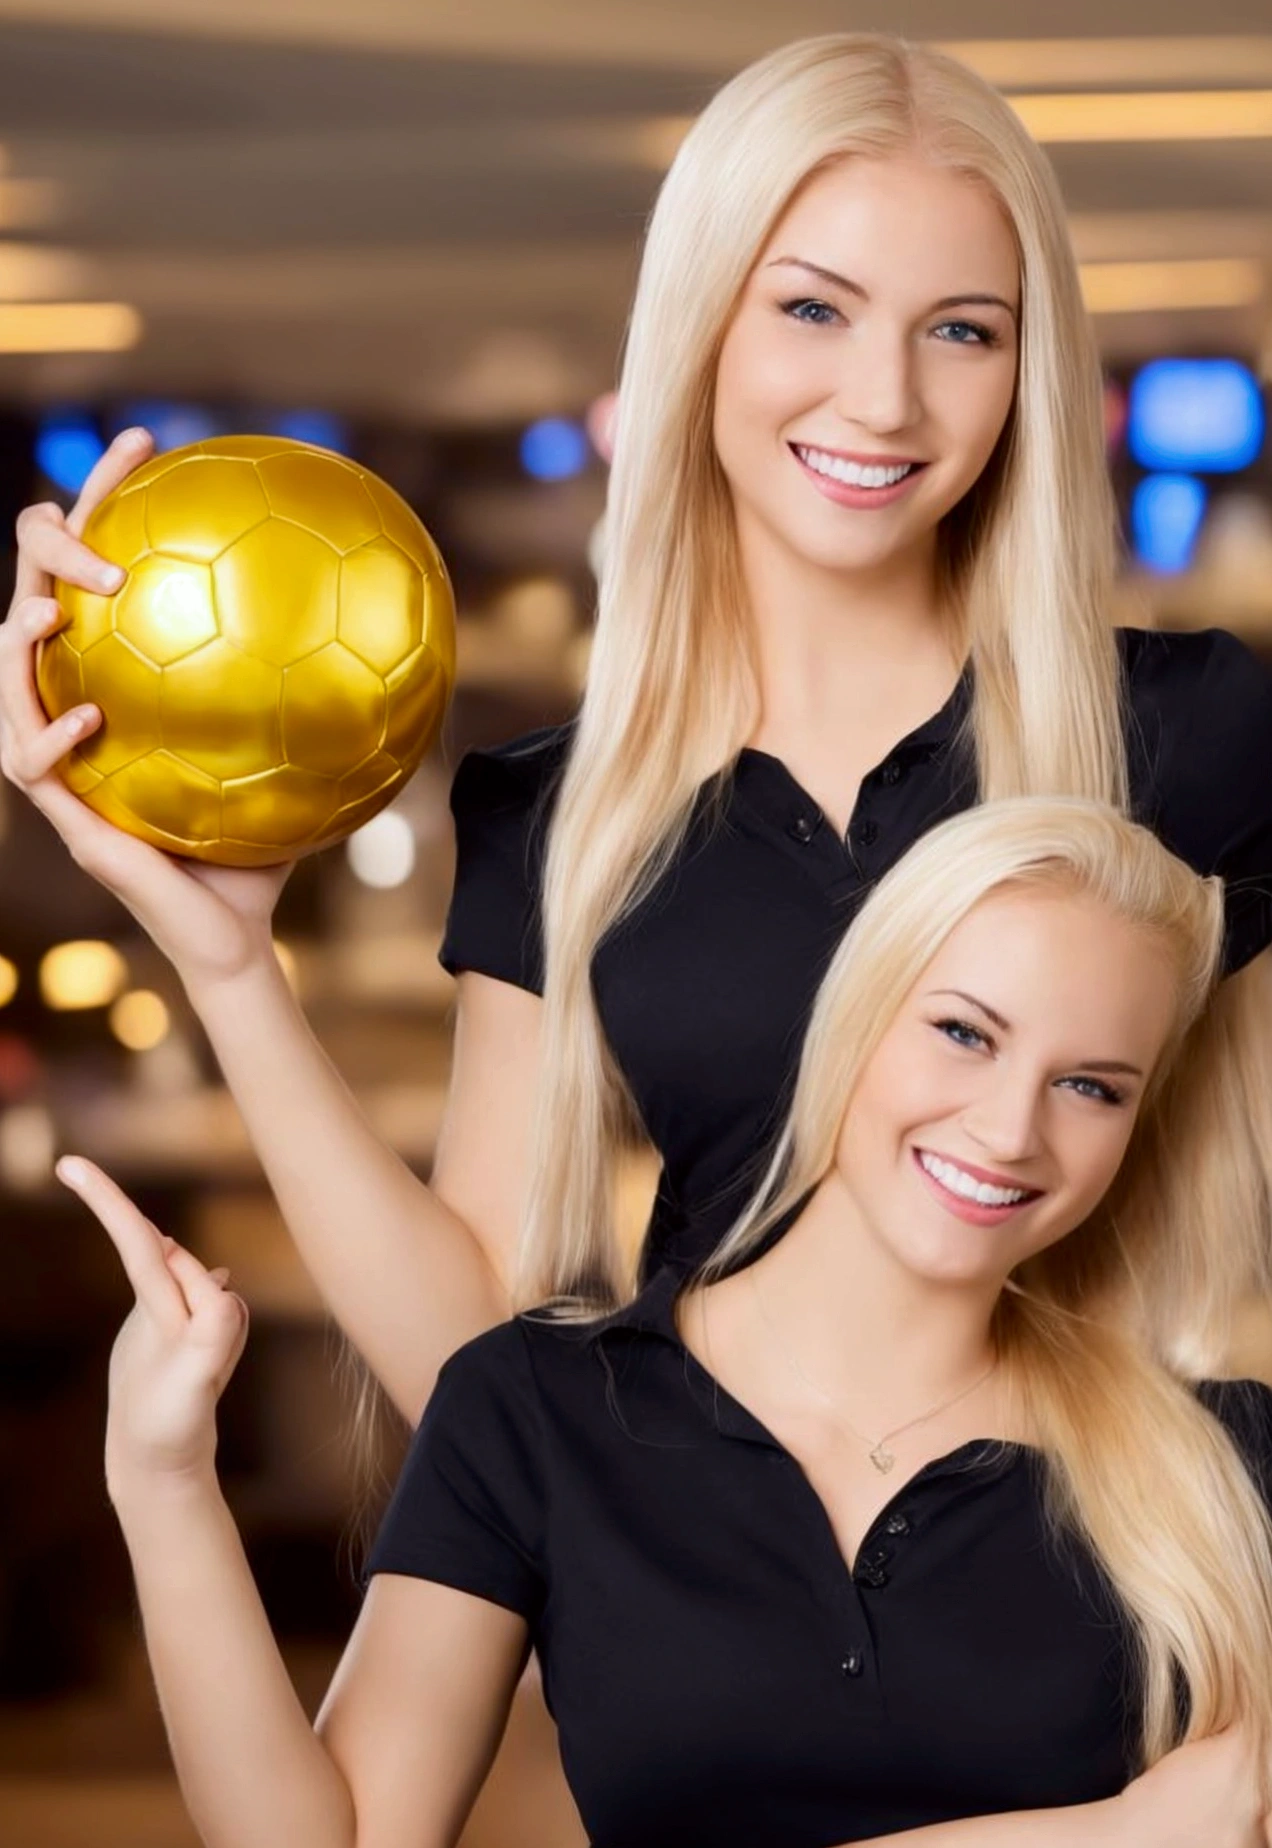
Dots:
pixel 872 1568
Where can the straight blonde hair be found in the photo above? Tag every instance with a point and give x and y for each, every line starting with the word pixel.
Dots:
pixel 1099 1334
pixel 1026 560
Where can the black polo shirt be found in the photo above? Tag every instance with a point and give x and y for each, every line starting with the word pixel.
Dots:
pixel 719 1676
pixel 705 990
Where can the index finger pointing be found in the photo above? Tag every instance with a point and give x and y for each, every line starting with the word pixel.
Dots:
pixel 133 1236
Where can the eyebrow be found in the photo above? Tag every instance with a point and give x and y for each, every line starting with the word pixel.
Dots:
pixel 1106 1066
pixel 855 288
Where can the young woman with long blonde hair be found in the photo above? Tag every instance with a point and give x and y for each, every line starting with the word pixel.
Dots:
pixel 1037 1609
pixel 861 547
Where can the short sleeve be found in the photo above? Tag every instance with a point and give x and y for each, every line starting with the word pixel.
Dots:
pixel 1201 741
pixel 1244 1408
pixel 500 800
pixel 468 1508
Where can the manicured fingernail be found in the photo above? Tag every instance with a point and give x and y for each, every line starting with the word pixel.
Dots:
pixel 70 1171
pixel 110 577
pixel 38 620
pixel 80 720
pixel 138 434
pixel 220 1275
pixel 169 1244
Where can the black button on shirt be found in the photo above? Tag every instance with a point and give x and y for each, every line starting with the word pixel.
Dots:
pixel 705 990
pixel 718 1676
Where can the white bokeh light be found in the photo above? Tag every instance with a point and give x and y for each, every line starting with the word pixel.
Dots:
pixel 383 852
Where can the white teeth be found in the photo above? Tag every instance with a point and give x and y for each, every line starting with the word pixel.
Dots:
pixel 969 1189
pixel 857 476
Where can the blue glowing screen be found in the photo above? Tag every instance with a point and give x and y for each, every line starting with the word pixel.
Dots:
pixel 305 426
pixel 554 449
pixel 1166 516
pixel 171 425
pixel 1204 414
pixel 67 444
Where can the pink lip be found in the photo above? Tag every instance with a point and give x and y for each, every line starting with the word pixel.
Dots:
pixel 858 455
pixel 845 495
pixel 971 1210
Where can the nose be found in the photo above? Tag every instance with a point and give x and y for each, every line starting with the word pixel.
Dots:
pixel 880 392
pixel 1005 1118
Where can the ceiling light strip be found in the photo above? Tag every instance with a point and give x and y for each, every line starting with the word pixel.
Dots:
pixel 68 327
pixel 1133 115
pixel 1015 64
pixel 1129 288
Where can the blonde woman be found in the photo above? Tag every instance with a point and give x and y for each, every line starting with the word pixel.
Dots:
pixel 861 549
pixel 909 1524
pixel 858 252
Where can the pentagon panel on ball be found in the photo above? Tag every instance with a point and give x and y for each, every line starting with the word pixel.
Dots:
pixel 276 663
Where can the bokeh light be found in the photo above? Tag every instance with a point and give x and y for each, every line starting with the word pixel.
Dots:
pixel 1203 414
pixel 67 444
pixel 140 1019
pixel 1166 516
pixel 81 974
pixel 171 425
pixel 383 853
pixel 306 426
pixel 554 449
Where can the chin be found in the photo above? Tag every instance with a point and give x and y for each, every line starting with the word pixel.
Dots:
pixel 954 1270
pixel 959 1255
pixel 830 552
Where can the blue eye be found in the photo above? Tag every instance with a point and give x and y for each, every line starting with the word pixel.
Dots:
pixel 808 309
pixel 962 1033
pixel 982 336
pixel 1096 1089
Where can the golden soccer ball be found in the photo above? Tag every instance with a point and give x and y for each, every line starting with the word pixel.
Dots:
pixel 276 663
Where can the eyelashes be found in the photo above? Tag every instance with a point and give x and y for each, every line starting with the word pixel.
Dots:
pixel 814 312
pixel 974 1039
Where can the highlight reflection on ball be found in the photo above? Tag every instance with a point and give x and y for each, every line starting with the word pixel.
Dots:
pixel 277 662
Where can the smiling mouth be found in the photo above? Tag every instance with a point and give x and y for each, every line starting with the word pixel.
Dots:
pixel 975 1189
pixel 855 474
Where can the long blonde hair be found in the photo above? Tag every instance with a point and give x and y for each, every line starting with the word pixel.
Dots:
pixel 1099 1334
pixel 1026 560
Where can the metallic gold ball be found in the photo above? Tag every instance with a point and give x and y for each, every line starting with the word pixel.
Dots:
pixel 276 663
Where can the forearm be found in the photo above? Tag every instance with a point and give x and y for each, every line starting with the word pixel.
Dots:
pixel 252 1770
pixel 1083 1825
pixel 406 1277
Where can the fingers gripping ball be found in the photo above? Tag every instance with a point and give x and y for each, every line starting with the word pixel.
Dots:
pixel 276 663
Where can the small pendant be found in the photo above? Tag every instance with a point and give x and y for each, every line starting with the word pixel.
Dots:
pixel 882 1459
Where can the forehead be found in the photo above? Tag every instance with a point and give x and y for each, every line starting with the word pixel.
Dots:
pixel 1063 967
pixel 900 224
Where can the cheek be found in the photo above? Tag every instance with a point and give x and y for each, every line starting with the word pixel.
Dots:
pixel 974 413
pixel 1093 1169
pixel 902 1089
pixel 1089 1158
pixel 763 379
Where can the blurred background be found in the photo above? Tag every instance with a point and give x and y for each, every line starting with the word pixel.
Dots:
pixel 409 231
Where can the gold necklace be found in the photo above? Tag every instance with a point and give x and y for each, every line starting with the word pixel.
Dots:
pixel 878 1452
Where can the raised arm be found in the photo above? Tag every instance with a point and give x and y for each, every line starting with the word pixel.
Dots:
pixel 409 1271
pixel 418 1705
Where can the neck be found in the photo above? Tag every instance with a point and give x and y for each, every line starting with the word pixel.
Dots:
pixel 869 1332
pixel 839 649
